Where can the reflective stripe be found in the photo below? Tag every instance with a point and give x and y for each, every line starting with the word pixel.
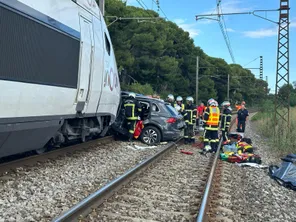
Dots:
pixel 213 116
pixel 133 117
pixel 185 136
pixel 206 140
pixel 131 131
pixel 211 128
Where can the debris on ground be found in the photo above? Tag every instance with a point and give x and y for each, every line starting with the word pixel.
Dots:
pixel 285 175
pixel 186 152
pixel 239 150
pixel 255 165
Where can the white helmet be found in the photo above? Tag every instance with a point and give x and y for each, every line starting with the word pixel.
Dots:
pixel 189 99
pixel 179 99
pixel 132 94
pixel 225 103
pixel 213 103
pixel 171 97
pixel 210 101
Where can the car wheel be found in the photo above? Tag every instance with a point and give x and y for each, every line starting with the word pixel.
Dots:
pixel 150 135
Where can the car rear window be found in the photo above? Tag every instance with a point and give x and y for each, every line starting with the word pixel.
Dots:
pixel 172 110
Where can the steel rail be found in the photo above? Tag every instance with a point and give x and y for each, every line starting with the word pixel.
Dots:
pixel 202 214
pixel 97 198
pixel 31 160
pixel 205 198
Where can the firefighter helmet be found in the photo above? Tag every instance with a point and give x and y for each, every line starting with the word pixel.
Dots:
pixel 171 97
pixel 211 102
pixel 189 99
pixel 179 99
pixel 132 94
pixel 226 103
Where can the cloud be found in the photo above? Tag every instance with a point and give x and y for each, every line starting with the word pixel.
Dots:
pixel 267 32
pixel 188 27
pixel 293 25
pixel 261 33
pixel 230 30
pixel 227 7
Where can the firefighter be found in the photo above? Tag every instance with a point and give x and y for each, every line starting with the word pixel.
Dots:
pixel 211 125
pixel 179 106
pixel 170 99
pixel 190 118
pixel 132 111
pixel 225 120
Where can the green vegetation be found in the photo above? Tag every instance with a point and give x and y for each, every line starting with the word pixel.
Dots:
pixel 145 89
pixel 282 141
pixel 161 54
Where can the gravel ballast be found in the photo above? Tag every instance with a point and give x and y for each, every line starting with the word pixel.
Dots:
pixel 249 194
pixel 168 191
pixel 42 192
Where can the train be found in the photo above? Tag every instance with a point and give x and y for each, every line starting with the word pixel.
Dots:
pixel 58 74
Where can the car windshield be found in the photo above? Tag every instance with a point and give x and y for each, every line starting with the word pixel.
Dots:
pixel 172 110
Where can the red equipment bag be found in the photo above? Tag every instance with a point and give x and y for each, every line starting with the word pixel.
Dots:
pixel 138 129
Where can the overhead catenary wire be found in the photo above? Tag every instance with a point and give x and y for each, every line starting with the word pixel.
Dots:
pixel 158 4
pixel 223 28
pixel 252 61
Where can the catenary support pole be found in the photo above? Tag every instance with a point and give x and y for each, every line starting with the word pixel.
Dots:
pixel 261 67
pixel 196 86
pixel 228 83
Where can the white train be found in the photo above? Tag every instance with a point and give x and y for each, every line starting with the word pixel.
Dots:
pixel 58 74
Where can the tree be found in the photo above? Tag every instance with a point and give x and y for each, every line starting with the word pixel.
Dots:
pixel 163 55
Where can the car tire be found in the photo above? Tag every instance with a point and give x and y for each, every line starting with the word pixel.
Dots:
pixel 150 135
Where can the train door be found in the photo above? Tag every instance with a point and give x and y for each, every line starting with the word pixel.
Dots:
pixel 86 54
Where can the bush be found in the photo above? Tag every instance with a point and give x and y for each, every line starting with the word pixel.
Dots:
pixel 138 88
pixel 282 141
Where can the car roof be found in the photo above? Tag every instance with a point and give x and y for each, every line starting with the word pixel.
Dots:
pixel 142 97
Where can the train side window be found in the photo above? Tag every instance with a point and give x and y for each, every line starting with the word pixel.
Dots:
pixel 108 46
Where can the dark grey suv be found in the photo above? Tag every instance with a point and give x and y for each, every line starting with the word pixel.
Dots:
pixel 161 121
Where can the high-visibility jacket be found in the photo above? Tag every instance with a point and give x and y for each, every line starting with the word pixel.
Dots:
pixel 132 109
pixel 182 107
pixel 211 118
pixel 190 114
pixel 226 119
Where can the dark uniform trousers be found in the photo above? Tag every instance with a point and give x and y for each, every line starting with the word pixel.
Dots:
pixel 241 125
pixel 131 125
pixel 190 118
pixel 225 124
pixel 211 137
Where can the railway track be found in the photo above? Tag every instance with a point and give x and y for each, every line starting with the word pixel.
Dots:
pixel 41 158
pixel 169 186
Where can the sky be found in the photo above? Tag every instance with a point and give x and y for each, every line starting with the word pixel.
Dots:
pixel 250 36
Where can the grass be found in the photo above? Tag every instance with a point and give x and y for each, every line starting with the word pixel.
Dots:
pixel 282 140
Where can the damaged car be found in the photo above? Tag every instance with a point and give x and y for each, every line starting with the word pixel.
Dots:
pixel 161 121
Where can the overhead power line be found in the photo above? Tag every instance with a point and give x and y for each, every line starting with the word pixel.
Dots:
pixel 252 61
pixel 223 28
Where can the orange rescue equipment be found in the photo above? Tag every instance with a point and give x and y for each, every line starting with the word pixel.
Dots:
pixel 214 116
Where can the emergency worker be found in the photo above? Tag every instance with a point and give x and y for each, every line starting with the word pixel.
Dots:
pixel 179 106
pixel 171 99
pixel 225 120
pixel 211 124
pixel 190 118
pixel 132 111
pixel 200 110
pixel 242 115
